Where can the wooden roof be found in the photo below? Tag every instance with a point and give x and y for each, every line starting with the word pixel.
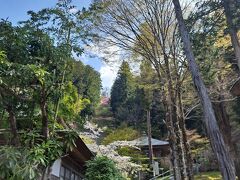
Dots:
pixel 143 141
pixel 81 153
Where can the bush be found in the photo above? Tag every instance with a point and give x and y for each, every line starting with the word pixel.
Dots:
pixel 135 154
pixel 121 134
pixel 103 111
pixel 102 168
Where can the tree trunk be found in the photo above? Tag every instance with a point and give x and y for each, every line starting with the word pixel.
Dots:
pixel 175 123
pixel 172 141
pixel 223 121
pixel 1 118
pixel 62 122
pixel 43 106
pixel 229 8
pixel 149 138
pixel 216 139
pixel 170 107
pixel 186 145
pixel 225 127
pixel 13 126
pixel 237 160
pixel 175 141
pixel 173 149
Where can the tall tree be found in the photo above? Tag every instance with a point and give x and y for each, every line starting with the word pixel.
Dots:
pixel 216 139
pixel 230 7
pixel 122 90
pixel 88 82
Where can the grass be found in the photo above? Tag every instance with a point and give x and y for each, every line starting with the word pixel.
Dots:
pixel 214 175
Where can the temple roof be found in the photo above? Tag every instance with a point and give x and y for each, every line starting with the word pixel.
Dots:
pixel 143 141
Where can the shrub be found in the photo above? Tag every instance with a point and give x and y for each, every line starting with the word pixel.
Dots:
pixel 135 154
pixel 102 168
pixel 121 134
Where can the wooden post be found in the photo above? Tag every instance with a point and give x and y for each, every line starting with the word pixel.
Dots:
pixel 149 138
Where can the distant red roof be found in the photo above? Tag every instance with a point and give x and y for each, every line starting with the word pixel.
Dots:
pixel 105 100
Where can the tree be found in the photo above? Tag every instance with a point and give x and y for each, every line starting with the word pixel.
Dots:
pixel 36 87
pixel 88 83
pixel 67 29
pixel 122 90
pixel 216 139
pixel 31 72
pixel 217 70
pixel 230 10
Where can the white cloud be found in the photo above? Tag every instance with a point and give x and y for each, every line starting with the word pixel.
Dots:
pixel 110 55
pixel 108 75
pixel 84 58
pixel 73 10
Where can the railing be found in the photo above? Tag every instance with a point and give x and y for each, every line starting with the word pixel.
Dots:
pixel 163 176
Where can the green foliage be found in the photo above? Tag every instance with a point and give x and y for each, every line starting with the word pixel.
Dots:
pixel 36 81
pixel 36 70
pixel 132 95
pixel 71 103
pixel 16 164
pixel 31 159
pixel 62 22
pixel 134 153
pixel 122 88
pixel 121 134
pixel 88 83
pixel 103 111
pixel 102 168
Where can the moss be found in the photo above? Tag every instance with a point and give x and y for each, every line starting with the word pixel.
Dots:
pixel 214 175
pixel 87 140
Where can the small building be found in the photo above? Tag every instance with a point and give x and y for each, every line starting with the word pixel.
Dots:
pixel 161 154
pixel 160 148
pixel 72 165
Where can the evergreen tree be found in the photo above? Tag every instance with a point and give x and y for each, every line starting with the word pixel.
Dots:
pixel 122 90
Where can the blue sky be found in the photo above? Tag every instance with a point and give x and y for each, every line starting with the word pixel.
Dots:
pixel 16 10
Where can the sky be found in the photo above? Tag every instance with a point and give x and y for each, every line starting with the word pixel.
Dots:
pixel 16 10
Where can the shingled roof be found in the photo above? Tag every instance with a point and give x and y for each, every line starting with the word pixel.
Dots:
pixel 143 141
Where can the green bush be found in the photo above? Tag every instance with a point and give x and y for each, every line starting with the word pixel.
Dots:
pixel 135 154
pixel 121 134
pixel 103 111
pixel 102 168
